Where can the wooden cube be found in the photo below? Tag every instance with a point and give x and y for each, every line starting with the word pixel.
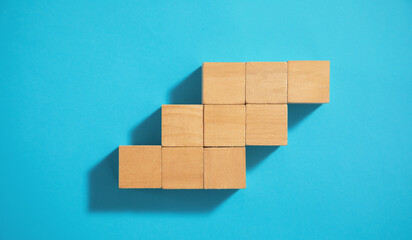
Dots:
pixel 225 168
pixel 224 125
pixel 266 82
pixel 223 83
pixel 267 124
pixel 182 167
pixel 139 166
pixel 308 81
pixel 182 125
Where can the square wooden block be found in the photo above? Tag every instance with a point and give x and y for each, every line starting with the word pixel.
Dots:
pixel 308 81
pixel 140 167
pixel 182 125
pixel 266 82
pixel 224 125
pixel 223 83
pixel 267 124
pixel 182 167
pixel 225 168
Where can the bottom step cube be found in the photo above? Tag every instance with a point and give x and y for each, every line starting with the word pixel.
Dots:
pixel 225 168
pixel 140 166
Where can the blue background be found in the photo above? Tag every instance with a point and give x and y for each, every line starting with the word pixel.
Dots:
pixel 79 78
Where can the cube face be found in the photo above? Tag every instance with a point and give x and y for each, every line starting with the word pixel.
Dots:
pixel 139 167
pixel 223 83
pixel 308 81
pixel 224 168
pixel 182 167
pixel 224 125
pixel 266 82
pixel 182 125
pixel 266 124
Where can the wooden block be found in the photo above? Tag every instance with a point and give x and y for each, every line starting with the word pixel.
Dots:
pixel 225 168
pixel 182 125
pixel 140 166
pixel 267 124
pixel 182 167
pixel 224 125
pixel 308 81
pixel 223 83
pixel 266 82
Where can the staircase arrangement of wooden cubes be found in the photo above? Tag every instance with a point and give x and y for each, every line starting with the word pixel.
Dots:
pixel 203 146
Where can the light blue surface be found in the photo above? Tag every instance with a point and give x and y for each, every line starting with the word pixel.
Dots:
pixel 79 78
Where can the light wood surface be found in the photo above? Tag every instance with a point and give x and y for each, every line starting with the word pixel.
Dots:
pixel 224 168
pixel 224 125
pixel 266 82
pixel 139 167
pixel 182 125
pixel 223 83
pixel 308 81
pixel 266 124
pixel 182 167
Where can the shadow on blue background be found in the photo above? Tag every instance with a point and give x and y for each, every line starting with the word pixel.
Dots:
pixel 149 131
pixel 104 194
pixel 297 112
pixel 256 154
pixel 189 91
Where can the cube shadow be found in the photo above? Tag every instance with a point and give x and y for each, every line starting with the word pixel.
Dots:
pixel 298 112
pixel 188 91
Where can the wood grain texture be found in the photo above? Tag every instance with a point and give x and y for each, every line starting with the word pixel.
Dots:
pixel 182 125
pixel 308 81
pixel 223 83
pixel 182 167
pixel 224 168
pixel 139 167
pixel 267 124
pixel 266 82
pixel 224 125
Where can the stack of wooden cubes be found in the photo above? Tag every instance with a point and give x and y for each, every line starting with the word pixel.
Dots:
pixel 203 146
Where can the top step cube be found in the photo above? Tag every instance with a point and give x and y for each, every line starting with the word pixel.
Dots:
pixel 308 81
pixel 223 83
